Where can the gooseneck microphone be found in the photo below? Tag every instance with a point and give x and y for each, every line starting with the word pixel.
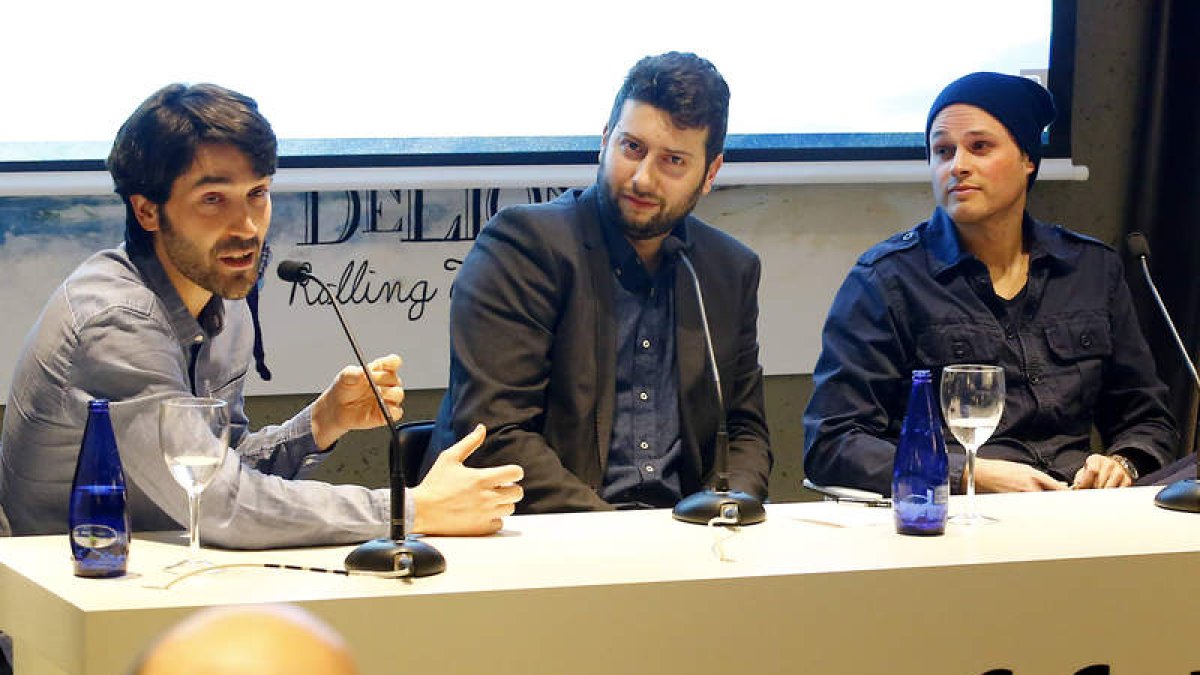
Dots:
pixel 717 504
pixel 1181 495
pixel 401 551
pixel 1140 248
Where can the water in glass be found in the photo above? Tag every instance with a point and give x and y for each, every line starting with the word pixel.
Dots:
pixel 194 435
pixel 972 403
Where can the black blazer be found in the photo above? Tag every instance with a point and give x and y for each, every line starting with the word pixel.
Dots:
pixel 533 354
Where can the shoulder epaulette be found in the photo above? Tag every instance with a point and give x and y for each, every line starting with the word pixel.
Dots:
pixel 901 241
pixel 1072 235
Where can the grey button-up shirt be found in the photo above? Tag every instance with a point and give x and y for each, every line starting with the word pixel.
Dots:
pixel 117 329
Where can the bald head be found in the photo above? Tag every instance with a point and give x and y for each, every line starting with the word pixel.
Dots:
pixel 260 639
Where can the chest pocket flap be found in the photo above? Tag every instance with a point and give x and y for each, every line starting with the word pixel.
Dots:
pixel 943 345
pixel 1079 338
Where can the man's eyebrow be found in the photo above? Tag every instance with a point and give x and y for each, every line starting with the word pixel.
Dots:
pixel 216 179
pixel 970 132
pixel 211 180
pixel 621 133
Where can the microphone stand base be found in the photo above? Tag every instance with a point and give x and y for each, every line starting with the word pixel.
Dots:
pixel 702 507
pixel 1181 495
pixel 387 555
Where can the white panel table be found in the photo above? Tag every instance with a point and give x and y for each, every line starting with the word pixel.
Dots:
pixel 1062 581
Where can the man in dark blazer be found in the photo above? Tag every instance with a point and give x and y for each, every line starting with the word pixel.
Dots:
pixel 575 333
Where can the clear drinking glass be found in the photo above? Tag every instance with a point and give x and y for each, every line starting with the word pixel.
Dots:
pixel 194 435
pixel 972 403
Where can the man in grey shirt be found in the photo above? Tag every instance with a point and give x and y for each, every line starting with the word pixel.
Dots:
pixel 166 315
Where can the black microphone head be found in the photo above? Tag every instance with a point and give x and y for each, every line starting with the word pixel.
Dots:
pixel 673 247
pixel 295 271
pixel 1138 245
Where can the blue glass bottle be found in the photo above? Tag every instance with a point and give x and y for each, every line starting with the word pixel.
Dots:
pixel 97 520
pixel 921 477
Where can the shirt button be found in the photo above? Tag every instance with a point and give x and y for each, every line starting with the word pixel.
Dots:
pixel 645 344
pixel 1010 333
pixel 1085 340
pixel 907 236
pixel 198 339
pixel 643 445
pixel 649 468
pixel 644 396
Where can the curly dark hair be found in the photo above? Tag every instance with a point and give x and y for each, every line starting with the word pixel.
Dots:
pixel 687 87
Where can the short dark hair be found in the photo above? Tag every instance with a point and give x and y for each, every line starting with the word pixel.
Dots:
pixel 687 87
pixel 158 143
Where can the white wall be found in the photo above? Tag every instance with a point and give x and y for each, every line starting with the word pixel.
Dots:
pixel 807 236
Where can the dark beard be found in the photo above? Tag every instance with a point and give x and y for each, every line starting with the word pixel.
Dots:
pixel 201 268
pixel 655 227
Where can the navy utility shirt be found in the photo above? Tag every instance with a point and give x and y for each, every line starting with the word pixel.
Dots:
pixel 1072 352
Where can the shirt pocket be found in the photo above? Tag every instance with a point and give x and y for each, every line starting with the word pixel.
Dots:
pixel 1078 348
pixel 947 344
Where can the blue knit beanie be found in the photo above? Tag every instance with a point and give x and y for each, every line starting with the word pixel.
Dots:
pixel 1023 106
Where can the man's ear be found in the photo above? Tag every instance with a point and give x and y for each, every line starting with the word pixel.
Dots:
pixel 146 212
pixel 711 174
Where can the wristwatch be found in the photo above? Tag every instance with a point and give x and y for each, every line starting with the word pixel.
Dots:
pixel 1127 466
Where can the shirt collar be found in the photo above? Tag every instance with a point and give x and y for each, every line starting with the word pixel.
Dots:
pixel 189 329
pixel 946 252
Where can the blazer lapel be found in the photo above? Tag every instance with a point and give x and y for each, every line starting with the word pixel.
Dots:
pixel 691 357
pixel 600 269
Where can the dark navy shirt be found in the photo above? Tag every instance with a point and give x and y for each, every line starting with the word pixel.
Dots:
pixel 1072 351
pixel 642 469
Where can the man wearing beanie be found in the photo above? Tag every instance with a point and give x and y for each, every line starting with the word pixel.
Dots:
pixel 981 281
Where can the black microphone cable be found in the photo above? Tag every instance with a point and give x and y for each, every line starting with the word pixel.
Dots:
pixel 403 570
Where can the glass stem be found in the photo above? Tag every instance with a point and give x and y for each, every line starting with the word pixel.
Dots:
pixel 970 481
pixel 194 521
